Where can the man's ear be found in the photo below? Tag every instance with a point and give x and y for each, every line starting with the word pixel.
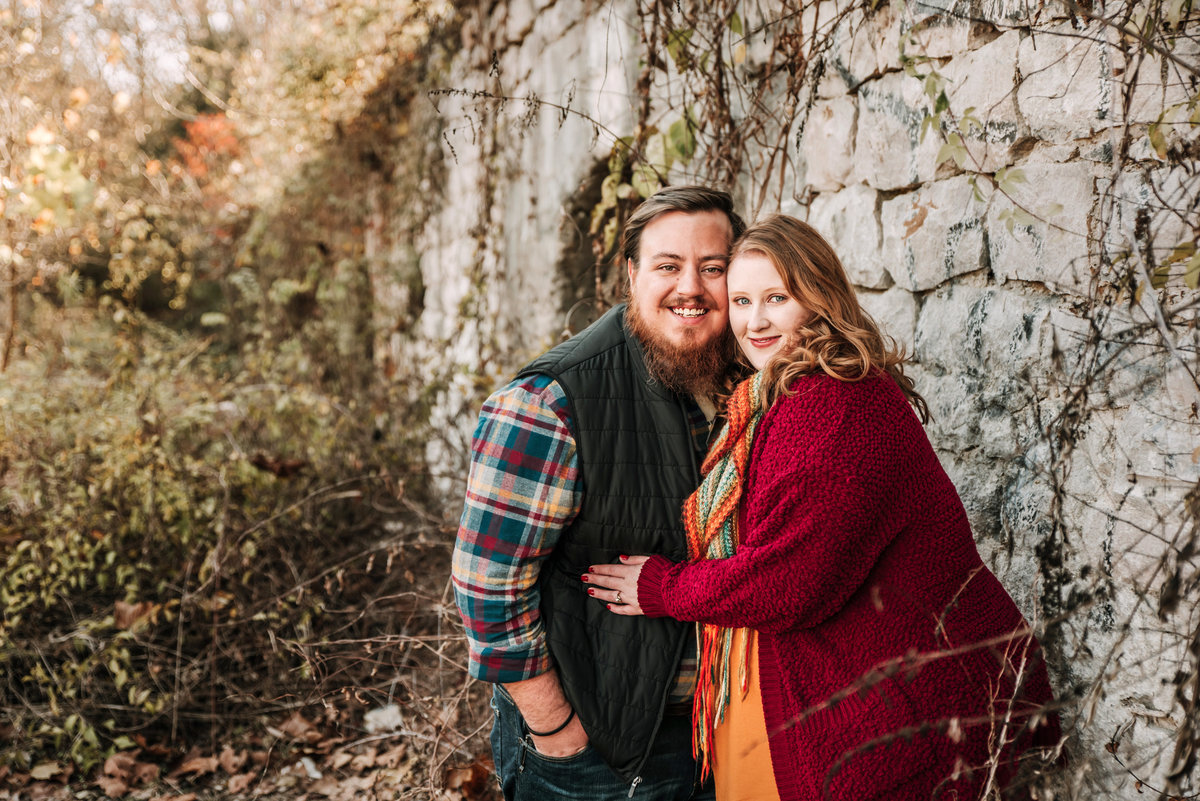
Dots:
pixel 631 269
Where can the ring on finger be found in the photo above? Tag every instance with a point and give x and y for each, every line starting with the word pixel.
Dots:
pixel 617 598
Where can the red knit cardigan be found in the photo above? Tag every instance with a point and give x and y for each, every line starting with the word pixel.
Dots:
pixel 893 664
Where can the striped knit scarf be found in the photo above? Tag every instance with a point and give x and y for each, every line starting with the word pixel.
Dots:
pixel 710 516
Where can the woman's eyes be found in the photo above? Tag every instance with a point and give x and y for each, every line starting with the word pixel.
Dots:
pixel 770 299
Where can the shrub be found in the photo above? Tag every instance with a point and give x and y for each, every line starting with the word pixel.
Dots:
pixel 173 537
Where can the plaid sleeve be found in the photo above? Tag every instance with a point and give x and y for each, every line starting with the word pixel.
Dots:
pixel 521 493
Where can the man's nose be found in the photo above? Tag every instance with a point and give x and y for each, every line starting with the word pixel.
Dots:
pixel 689 283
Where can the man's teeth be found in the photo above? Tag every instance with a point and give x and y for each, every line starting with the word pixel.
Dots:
pixel 690 312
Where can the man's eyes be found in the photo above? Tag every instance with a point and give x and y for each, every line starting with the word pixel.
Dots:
pixel 714 269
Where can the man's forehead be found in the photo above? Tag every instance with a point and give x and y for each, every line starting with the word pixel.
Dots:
pixel 662 255
pixel 672 233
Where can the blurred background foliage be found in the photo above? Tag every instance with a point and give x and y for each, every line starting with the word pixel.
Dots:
pixel 205 482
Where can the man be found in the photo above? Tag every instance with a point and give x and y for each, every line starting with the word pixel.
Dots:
pixel 589 454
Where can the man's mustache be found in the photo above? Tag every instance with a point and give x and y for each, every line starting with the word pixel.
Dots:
pixel 695 301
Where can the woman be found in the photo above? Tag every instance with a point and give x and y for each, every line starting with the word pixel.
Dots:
pixel 848 619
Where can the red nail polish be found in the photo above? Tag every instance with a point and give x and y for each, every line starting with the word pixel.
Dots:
pixel 584 577
pixel 591 591
pixel 623 557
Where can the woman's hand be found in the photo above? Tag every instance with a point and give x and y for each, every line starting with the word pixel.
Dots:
pixel 617 584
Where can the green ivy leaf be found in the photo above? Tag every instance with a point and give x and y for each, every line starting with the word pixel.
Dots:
pixel 735 24
pixel 644 180
pixel 1158 140
pixel 926 124
pixel 1192 277
pixel 677 47
pixel 1184 250
pixel 1175 10
pixel 969 119
pixel 1007 178
pixel 610 234
pixel 953 149
pixel 681 138
pixel 1158 278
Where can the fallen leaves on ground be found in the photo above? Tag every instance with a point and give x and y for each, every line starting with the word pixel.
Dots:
pixel 295 760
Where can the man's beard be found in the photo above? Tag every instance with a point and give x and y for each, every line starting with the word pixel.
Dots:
pixel 695 368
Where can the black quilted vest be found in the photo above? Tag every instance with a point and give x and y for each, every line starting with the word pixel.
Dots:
pixel 638 465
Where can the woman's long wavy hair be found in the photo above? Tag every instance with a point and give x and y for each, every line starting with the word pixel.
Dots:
pixel 840 339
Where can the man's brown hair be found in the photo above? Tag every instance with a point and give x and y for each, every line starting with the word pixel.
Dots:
pixel 690 199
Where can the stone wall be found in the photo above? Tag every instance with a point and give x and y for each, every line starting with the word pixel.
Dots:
pixel 1060 411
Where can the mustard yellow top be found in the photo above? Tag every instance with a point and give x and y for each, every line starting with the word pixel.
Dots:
pixel 741 755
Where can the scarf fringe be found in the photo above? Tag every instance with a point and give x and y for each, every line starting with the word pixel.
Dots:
pixel 710 517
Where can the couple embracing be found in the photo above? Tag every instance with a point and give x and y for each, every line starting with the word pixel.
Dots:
pixel 737 447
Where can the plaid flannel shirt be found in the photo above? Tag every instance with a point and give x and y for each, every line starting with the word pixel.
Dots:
pixel 522 492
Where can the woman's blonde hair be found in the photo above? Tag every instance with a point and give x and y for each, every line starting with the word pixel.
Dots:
pixel 839 339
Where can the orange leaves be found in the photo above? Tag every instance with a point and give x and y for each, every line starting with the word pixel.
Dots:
pixel 210 139
pixel 299 728
pixel 232 761
pixel 471 780
pixel 197 766
pixel 127 616
pixel 914 223
pixel 123 771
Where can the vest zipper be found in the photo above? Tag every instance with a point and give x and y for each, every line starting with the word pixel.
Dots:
pixel 633 787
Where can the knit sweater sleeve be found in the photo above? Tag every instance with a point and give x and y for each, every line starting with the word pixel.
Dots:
pixel 821 508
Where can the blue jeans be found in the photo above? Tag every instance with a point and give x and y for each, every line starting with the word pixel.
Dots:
pixel 670 774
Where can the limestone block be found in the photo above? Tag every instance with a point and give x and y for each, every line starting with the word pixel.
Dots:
pixel 943 340
pixel 982 80
pixel 520 18
pixel 1016 12
pixel 943 32
pixel 888 150
pixel 1156 197
pixel 1045 151
pixel 865 47
pixel 978 482
pixel 933 234
pixel 1051 244
pixel 1154 86
pixel 895 312
pixel 952 403
pixel 759 38
pixel 828 145
pixel 885 31
pixel 1065 91
pixel 847 219
pixel 969 328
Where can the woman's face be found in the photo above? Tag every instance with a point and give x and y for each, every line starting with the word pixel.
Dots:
pixel 761 312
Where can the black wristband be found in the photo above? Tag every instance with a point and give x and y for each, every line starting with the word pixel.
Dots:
pixel 561 726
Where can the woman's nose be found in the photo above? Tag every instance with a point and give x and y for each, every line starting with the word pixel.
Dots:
pixel 758 321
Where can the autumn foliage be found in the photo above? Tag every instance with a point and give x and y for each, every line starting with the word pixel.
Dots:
pixel 209 144
pixel 217 553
